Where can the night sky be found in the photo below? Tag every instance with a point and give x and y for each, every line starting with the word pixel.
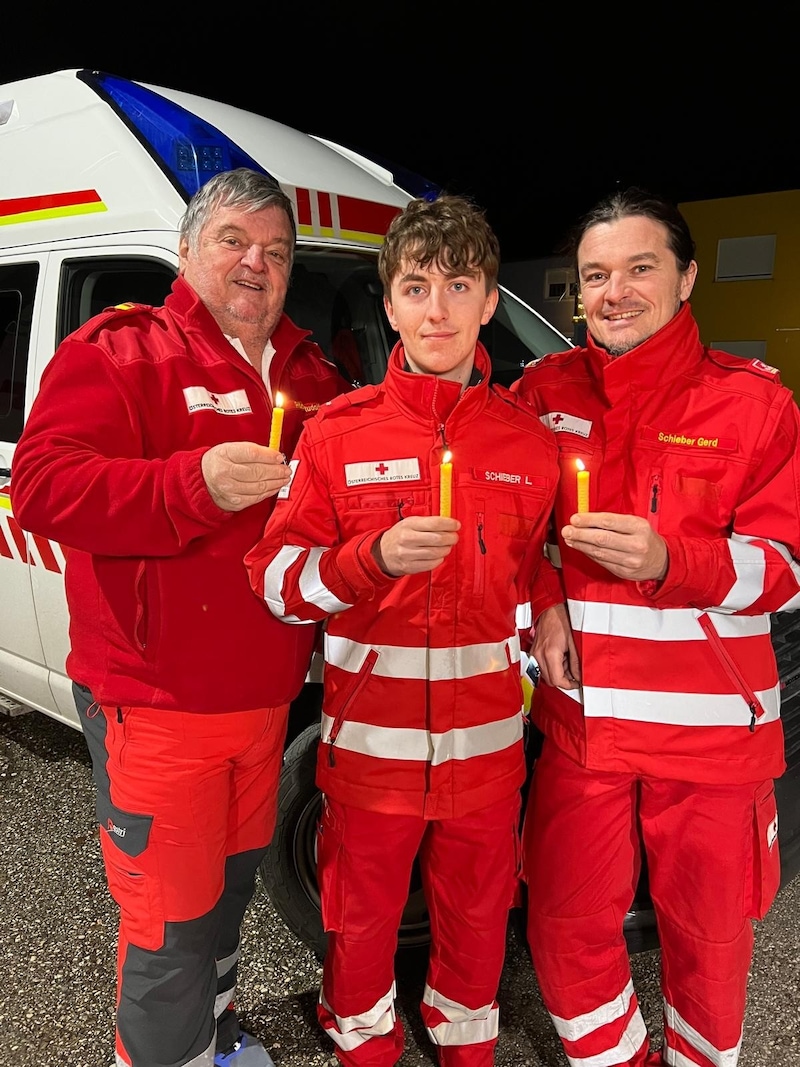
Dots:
pixel 535 126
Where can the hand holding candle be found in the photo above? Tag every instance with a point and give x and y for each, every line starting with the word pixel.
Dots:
pixel 446 485
pixel 583 486
pixel 277 423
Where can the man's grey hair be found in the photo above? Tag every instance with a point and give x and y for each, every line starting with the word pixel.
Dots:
pixel 240 188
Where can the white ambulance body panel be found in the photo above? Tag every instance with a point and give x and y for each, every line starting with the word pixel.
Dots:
pixel 95 174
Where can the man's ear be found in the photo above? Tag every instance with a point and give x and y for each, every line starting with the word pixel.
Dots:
pixel 688 278
pixel 183 254
pixel 390 313
pixel 490 306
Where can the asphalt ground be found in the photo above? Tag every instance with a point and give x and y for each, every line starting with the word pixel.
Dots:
pixel 58 930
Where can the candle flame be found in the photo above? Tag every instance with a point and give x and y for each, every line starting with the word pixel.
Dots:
pixel 447 457
pixel 279 400
pixel 580 464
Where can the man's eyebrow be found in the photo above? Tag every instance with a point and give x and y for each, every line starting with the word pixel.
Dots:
pixel 231 227
pixel 637 257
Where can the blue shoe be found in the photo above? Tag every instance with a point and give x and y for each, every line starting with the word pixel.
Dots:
pixel 246 1052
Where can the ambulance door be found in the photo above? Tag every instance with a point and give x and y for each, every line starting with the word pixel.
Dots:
pixel 81 284
pixel 23 674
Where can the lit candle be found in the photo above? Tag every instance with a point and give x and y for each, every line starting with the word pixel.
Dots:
pixel 583 486
pixel 277 423
pixel 446 484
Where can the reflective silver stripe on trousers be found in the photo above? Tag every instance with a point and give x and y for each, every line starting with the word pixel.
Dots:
pixel 435 664
pixel 674 709
pixel 386 742
pixel 464 1026
pixel 310 586
pixel 355 1030
pixel 580 1025
pixel 728 1057
pixel 629 1044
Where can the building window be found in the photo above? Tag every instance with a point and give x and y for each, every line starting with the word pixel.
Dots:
pixel 745 349
pixel 745 258
pixel 560 283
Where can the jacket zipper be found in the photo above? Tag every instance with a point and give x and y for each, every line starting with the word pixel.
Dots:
pixel 361 679
pixel 654 500
pixel 480 565
pixel 732 671
pixel 140 621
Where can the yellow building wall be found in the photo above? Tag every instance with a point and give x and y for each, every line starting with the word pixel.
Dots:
pixel 766 310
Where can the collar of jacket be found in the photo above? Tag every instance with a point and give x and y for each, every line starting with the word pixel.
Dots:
pixel 427 398
pixel 184 303
pixel 660 359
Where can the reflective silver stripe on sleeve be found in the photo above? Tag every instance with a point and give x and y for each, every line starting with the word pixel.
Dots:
pixel 793 603
pixel 464 1026
pixel 750 568
pixel 435 664
pixel 658 624
pixel 524 617
pixel 386 742
pixel 311 588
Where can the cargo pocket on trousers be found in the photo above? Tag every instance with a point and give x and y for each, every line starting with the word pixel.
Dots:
pixel 124 838
pixel 330 875
pixel 766 854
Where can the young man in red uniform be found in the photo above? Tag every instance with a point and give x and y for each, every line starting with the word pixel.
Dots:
pixel 146 457
pixel 660 707
pixel 422 728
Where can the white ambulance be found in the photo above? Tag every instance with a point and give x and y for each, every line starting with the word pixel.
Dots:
pixel 95 173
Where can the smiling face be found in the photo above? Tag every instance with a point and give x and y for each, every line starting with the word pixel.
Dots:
pixel 630 282
pixel 439 317
pixel 240 269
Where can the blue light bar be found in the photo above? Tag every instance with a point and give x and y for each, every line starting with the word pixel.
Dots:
pixel 187 148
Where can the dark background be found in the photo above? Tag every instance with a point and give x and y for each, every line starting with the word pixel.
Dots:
pixel 534 115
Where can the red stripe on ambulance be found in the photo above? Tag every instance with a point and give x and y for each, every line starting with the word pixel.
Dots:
pixel 19 537
pixel 47 554
pixel 48 202
pixel 365 215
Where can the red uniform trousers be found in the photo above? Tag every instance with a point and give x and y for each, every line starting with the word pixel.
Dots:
pixel 713 865
pixel 469 868
pixel 186 805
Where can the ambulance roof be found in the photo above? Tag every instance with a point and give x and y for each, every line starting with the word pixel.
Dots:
pixel 84 153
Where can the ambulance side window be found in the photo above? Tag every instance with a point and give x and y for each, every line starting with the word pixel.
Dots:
pixel 89 286
pixel 17 288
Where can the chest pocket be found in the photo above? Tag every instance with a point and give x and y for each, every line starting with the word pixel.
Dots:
pixel 366 510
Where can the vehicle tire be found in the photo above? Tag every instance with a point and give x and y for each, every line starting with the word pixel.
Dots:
pixel 289 871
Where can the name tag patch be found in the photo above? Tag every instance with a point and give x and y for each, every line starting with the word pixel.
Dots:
pixel 506 477
pixel 382 470
pixel 560 421
pixel 710 441
pixel 198 398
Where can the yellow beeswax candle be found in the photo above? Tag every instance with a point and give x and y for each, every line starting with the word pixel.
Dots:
pixel 583 486
pixel 446 484
pixel 277 423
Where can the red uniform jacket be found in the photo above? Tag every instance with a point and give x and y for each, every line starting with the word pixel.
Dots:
pixel 423 702
pixel 678 677
pixel 161 611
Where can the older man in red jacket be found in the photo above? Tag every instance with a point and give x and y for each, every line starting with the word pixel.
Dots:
pixel 146 455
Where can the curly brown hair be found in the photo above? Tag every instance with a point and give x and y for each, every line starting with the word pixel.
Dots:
pixel 450 232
